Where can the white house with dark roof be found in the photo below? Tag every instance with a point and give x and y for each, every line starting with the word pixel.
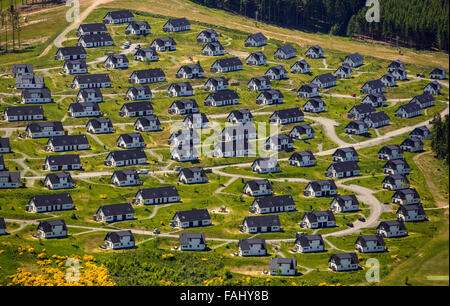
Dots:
pixel 157 195
pixel 182 107
pixel 208 35
pixel 233 148
pixel 191 218
pixel 147 76
pixel 130 141
pixel 261 224
pixel 326 80
pixel 138 93
pixel 302 132
pixel 196 121
pixel 70 53
pixel 345 203
pixel 392 229
pixel 361 111
pixel 126 158
pixel 318 219
pixel 252 247
pixel 22 69
pixel 287 116
pixel 114 213
pixel 256 188
pixel 2 163
pixel 54 181
pixel 164 44
pixel 377 120
pixel 5 146
pixel 276 73
pixel 424 100
pixel 285 52
pixel 314 105
pixel 302 159
pixel 345 154
pixel 343 72
pixel 280 142
pixel 194 175
pixel 66 162
pixel 30 81
pixel 259 83
pixel 273 204
pixel 411 213
pixel 100 80
pixel 194 71
pixel 95 40
pixel 343 169
pixel 192 242
pixel 266 165
pixel 116 61
pixel 184 137
pixel 388 80
pixel 177 25
pixel 354 60
pixel 213 49
pixel 67 143
pixel 118 17
pixel 396 166
pixel 136 109
pixel 184 154
pixel 309 243
pixel 238 132
pixel 412 145
pixel 438 73
pixel 222 98
pixel 242 116
pixel 283 266
pixel 216 84
pixel 421 132
pixel 406 196
pixel 343 262
pixel 138 28
pixel 434 88
pixel 256 40
pixel 44 129
pixel 180 89
pixel 300 66
pixel 86 109
pixel 256 59
pixel 395 182
pixel 89 95
pixel 376 100
pixel 370 244
pixel 314 52
pixel 390 152
pixel 100 126
pixel 119 240
pixel 357 127
pixel 373 87
pixel 308 91
pixel 52 229
pixel 75 66
pixel 323 188
pixel 269 97
pixel 227 65
pixel 50 202
pixel 146 54
pixel 125 178
pixel 9 180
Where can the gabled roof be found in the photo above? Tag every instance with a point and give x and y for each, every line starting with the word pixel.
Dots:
pixel 116 57
pixel 138 106
pixel 215 81
pixel 52 199
pixel 4 142
pixel 316 49
pixel 128 138
pixel 191 117
pixel 288 113
pixel 74 50
pixel 149 73
pixel 55 178
pixel 378 117
pixel 208 33
pixel 317 185
pixel 277 70
pixel 12 177
pixel 363 108
pixel 393 164
pixel 387 224
pixel 268 94
pixel 135 89
pixel 239 113
pixel 121 14
pixel 299 155
pixel 274 201
pixel 315 102
pixel 278 139
pixel 403 193
pixel 116 209
pixel 97 123
pixel 92 78
pixel 66 159
pixel 362 240
pixel 308 88
pixel 337 258
pixel 164 40
pixel 24 110
pixel 79 62
pixel 36 127
pixel 145 121
pixel 305 240
pixel 127 154
pixel 93 27
pixel 409 108
pixel 405 209
pixel 181 104
pixel 192 215
pixel 178 22
pixel 2 223
pixel 286 49
pixel 46 226
pixel 81 107
pixel 267 162
pixel 254 184
pixel 115 237
pixel 258 37
pixel 27 67
pixel 123 174
pixel 246 244
pixel 43 92
pixel 325 78
pixel 68 140
pixel 343 151
pixel 313 216
pixel 91 38
pixel 394 177
pixel 228 62
pixel 356 124
pixel 214 45
pixel 265 220
pixel 158 192
pixel 355 57
pixel 190 68
pixel 185 237
pixel 276 262
pixel 257 55
pixel 345 166
pixel 340 200
pixel 375 84
pixel 189 172
pixel 181 85
pixel 223 95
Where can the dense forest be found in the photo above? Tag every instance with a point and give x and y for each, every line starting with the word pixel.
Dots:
pixel 439 138
pixel 420 24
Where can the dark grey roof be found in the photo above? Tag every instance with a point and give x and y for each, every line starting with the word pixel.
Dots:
pixel 364 239
pixel 302 63
pixel 179 22
pixel 116 209
pixel 128 138
pixel 189 172
pixel 312 216
pixel 121 14
pixel 97 123
pixel 317 185
pixel 316 49
pixel 239 113
pixel 27 67
pixel 223 95
pixel 402 193
pixel 202 116
pixel 80 107
pixel 299 155
pixel 409 108
pixel 388 149
pixel 363 108
pixel 288 113
pixel 135 89
pixel 421 130
pixel 278 139
pixel 257 55
pixel 325 78
pixel 46 226
pixel 343 151
pixel 162 41
pixel 394 177
pixel 424 98
pixel 375 96
pixel 178 86
pixel 115 237
pixel 93 27
pixel 393 164
pixel 378 117
pixel 189 68
pixel 55 178
pixel 138 106
pixel 307 88
pixel 387 224
pixel 116 57
pixel 143 51
pixel 122 174
pixel 275 262
pixel 266 162
pixel 149 73
pixel 257 37
pixel 411 141
pixel 36 127
pixel 4 142
pixel 181 104
pixel 158 192
pixel 145 121
pixel 86 91
pixel 91 38
pixel 375 84
pixel 68 140
pixel 350 256
pixel 345 166
pixel 79 62
pixel 43 92
pixel 315 102
pixel 66 159
pixel 344 198
pixel 356 124
pixel 233 146
pixel 216 80
pixel 192 215
pixel 12 177
pixel 355 57
pixel 24 110
pixel 305 240
pixel 254 184
pixel 245 244
pixel 127 154
pixel 2 223
pixel 74 50
pixel 405 209
pixel 92 78
pixel 286 49
pixel 277 70
pixel 52 199
pixel 214 45
pixel 268 94
pixel 185 237
pixel 265 220
pixel 228 62
pixel 274 201
pixel 208 32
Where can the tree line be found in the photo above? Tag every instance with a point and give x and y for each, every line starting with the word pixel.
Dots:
pixel 420 24
pixel 439 138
